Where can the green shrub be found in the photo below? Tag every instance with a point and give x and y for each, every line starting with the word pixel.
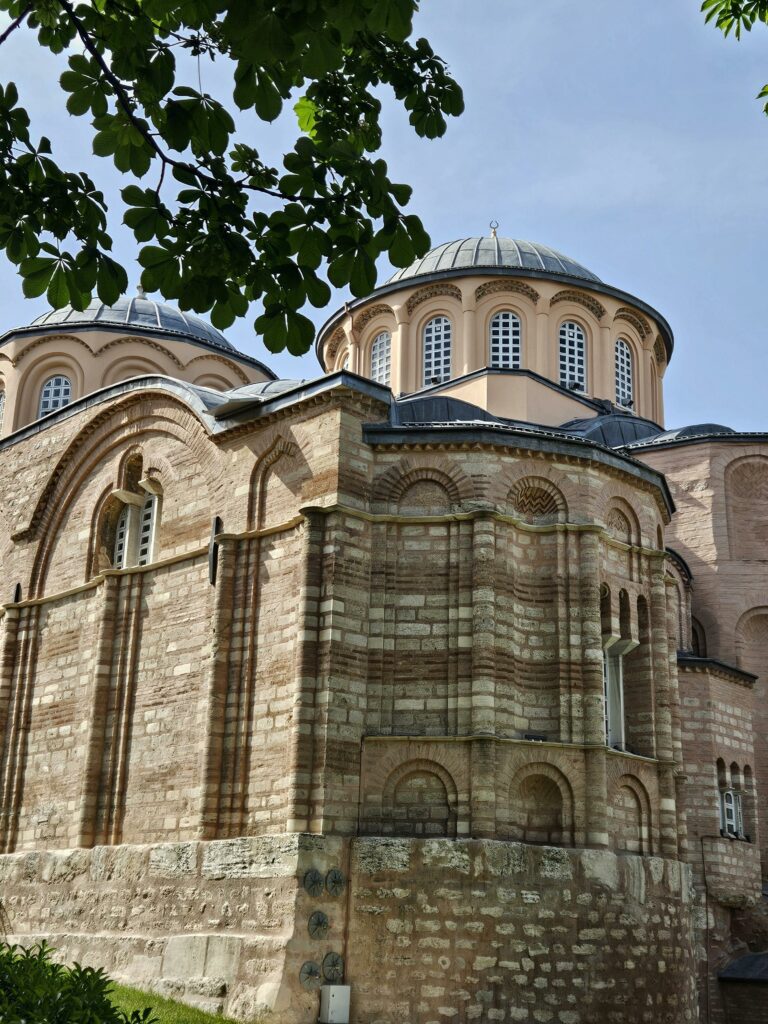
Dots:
pixel 35 990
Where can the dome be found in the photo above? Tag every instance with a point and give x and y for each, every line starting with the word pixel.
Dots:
pixel 139 312
pixel 491 251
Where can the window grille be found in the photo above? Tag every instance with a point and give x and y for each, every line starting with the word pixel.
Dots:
pixel 381 355
pixel 147 529
pixel 55 394
pixel 121 539
pixel 624 389
pixel 2 408
pixel 437 350
pixel 731 813
pixel 573 357
pixel 505 334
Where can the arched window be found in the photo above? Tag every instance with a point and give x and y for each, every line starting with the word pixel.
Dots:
pixel 56 393
pixel 624 383
pixel 381 358
pixel 437 350
pixel 573 356
pixel 504 339
pixel 344 365
pixel 121 540
pixel 2 407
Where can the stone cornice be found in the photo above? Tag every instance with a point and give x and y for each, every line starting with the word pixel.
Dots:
pixel 711 666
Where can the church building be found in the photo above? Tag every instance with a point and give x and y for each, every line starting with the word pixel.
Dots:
pixel 437 681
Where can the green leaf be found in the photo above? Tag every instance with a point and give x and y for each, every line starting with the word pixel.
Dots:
pixel 306 115
pixel 58 289
pixel 267 99
pixel 362 280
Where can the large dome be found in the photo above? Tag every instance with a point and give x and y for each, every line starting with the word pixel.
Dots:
pixel 140 312
pixel 491 251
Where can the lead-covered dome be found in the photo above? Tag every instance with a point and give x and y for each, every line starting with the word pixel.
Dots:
pixel 492 251
pixel 139 313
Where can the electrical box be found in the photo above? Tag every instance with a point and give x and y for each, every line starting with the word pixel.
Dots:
pixel 334 1004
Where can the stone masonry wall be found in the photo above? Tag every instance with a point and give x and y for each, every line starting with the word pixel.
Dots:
pixel 462 931
pixel 431 930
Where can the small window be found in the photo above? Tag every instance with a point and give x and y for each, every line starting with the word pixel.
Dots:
pixel 613 695
pixel 624 389
pixel 344 365
pixel 147 529
pixel 381 350
pixel 437 350
pixel 2 408
pixel 504 339
pixel 56 393
pixel 573 356
pixel 731 813
pixel 121 539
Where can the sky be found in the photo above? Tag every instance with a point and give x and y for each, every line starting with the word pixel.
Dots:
pixel 624 134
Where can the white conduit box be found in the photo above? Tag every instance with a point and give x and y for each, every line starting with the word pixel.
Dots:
pixel 334 1004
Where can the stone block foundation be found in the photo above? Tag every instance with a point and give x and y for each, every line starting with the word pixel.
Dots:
pixel 431 930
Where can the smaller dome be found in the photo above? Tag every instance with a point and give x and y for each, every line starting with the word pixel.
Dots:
pixel 491 251
pixel 139 312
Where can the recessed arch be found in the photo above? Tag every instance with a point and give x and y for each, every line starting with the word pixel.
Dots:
pixel 537 500
pixel 420 798
pixel 540 806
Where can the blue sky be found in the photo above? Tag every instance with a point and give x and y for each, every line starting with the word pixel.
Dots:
pixel 624 134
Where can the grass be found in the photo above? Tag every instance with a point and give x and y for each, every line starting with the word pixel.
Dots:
pixel 167 1010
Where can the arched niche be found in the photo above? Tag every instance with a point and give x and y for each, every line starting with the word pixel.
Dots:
pixel 746 502
pixel 420 799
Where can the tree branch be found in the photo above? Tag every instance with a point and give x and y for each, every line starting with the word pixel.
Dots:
pixel 125 103
pixel 15 23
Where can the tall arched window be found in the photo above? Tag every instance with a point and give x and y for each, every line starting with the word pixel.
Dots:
pixel 147 525
pixel 504 339
pixel 381 358
pixel 55 394
pixel 573 356
pixel 2 407
pixel 119 559
pixel 437 350
pixel 624 381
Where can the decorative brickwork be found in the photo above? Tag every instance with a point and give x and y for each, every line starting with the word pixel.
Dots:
pixel 581 299
pixel 637 321
pixel 432 291
pixel 499 287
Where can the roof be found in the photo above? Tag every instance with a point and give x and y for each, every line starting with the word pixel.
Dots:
pixel 137 312
pixel 492 251
pixel 752 967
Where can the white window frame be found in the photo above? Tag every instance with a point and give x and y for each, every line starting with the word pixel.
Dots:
pixel 624 368
pixel 2 407
pixel 505 332
pixel 613 700
pixel 731 813
pixel 573 356
pixel 55 393
pixel 381 358
pixel 147 530
pixel 437 336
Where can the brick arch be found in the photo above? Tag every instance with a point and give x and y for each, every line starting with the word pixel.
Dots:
pixel 432 291
pixel 420 798
pixel 637 321
pixel 91 446
pixel 145 343
pixel 746 503
pixel 540 806
pixel 230 364
pixel 621 521
pixel 390 487
pixel 629 809
pixel 496 287
pixel 364 318
pixel 48 340
pixel 280 448
pixel 587 301
pixel 537 500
